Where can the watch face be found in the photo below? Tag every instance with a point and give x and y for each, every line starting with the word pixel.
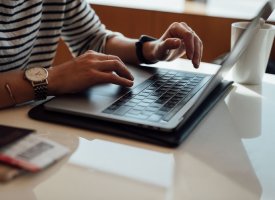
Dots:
pixel 36 74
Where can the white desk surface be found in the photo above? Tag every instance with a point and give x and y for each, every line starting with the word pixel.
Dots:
pixel 230 155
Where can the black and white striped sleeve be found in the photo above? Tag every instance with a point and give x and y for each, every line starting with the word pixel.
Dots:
pixel 83 30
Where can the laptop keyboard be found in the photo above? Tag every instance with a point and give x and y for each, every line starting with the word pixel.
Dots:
pixel 158 98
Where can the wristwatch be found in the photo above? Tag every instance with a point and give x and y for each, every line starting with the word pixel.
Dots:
pixel 38 78
pixel 139 47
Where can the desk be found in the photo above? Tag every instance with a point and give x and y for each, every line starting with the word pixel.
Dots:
pixel 230 155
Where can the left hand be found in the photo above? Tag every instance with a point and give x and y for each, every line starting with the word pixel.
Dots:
pixel 179 39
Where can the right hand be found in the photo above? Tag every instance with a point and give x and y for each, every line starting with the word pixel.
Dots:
pixel 89 69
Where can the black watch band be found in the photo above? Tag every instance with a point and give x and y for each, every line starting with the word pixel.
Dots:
pixel 139 46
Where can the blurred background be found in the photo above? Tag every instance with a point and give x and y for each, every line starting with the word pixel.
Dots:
pixel 211 19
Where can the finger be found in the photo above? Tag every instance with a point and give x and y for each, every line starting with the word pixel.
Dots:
pixel 114 59
pixel 165 47
pixel 197 49
pixel 179 52
pixel 197 52
pixel 101 56
pixel 189 41
pixel 115 66
pixel 115 79
pixel 184 32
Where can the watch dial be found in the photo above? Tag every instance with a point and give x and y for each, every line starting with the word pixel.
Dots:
pixel 36 74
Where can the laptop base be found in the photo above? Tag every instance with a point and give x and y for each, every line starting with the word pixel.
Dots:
pixel 132 132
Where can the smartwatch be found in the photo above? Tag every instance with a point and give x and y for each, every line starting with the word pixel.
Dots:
pixel 139 48
pixel 37 76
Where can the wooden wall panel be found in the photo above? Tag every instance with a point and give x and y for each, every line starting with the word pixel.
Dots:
pixel 214 32
pixel 130 22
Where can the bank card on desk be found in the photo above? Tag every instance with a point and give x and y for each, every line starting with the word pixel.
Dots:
pixel 10 134
pixel 29 151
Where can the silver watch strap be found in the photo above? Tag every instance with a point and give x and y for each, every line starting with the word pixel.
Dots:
pixel 40 91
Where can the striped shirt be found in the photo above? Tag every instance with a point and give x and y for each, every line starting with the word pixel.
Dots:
pixel 30 31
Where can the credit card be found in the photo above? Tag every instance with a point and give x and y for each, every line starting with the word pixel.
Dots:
pixel 32 153
pixel 10 134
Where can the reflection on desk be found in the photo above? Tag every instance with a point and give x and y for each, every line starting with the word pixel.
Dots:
pixel 103 169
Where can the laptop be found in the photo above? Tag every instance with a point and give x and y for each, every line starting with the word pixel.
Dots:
pixel 162 99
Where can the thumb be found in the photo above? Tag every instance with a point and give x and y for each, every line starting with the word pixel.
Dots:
pixel 165 46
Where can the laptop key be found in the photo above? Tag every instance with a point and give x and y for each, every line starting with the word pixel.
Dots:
pixel 141 86
pixel 131 104
pixel 134 100
pixel 152 109
pixel 147 112
pixel 165 109
pixel 139 97
pixel 155 118
pixel 134 112
pixel 122 110
pixel 156 105
pixel 153 97
pixel 111 109
pixel 143 104
pixel 180 104
pixel 108 111
pixel 158 98
pixel 148 100
pixel 139 108
pixel 139 116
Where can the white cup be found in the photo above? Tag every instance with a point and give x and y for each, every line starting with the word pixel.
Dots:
pixel 252 64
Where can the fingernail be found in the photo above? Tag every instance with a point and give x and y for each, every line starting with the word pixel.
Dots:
pixel 131 83
pixel 195 64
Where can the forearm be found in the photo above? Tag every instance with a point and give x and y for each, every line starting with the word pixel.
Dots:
pixel 125 49
pixel 96 68
pixel 14 89
pixel 122 47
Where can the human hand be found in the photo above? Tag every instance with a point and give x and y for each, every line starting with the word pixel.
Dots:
pixel 89 69
pixel 179 39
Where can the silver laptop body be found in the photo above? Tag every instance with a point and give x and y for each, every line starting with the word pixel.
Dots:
pixel 96 101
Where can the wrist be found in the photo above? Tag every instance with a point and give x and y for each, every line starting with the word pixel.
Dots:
pixel 148 52
pixel 52 82
pixel 145 49
pixel 38 78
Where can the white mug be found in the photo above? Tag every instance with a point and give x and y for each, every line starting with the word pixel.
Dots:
pixel 252 64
